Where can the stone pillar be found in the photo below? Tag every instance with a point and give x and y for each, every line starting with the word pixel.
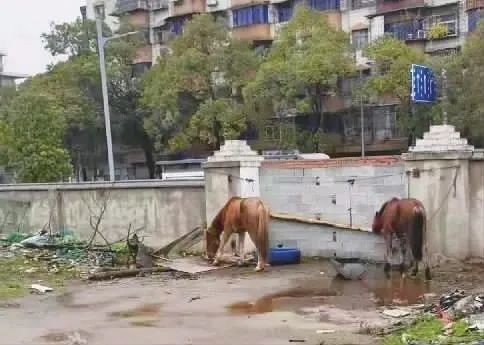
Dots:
pixel 232 171
pixel 437 169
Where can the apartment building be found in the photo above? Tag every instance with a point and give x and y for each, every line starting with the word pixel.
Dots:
pixel 259 21
pixel 8 79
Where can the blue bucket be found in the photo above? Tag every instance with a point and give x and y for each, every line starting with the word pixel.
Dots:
pixel 284 256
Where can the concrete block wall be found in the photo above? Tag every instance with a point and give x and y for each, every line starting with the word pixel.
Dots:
pixel 164 210
pixel 320 189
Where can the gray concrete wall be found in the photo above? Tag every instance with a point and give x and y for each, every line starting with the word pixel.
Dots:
pixel 476 176
pixel 326 241
pixel 291 187
pixel 165 210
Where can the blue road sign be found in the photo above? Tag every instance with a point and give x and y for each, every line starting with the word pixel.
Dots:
pixel 423 84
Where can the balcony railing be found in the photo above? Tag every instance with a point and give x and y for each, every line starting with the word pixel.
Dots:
pixel 473 4
pixel 126 6
pixel 383 6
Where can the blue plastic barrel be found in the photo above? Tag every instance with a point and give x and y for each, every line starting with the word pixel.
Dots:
pixel 284 256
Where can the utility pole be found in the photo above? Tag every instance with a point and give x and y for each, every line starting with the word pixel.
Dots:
pixel 101 42
pixel 102 65
pixel 444 96
pixel 362 116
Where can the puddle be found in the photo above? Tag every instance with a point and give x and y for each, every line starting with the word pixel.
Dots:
pixel 343 294
pixel 144 310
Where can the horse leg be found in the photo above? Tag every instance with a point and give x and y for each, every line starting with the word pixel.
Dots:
pixel 225 238
pixel 388 242
pixel 260 262
pixel 241 247
pixel 428 275
pixel 403 253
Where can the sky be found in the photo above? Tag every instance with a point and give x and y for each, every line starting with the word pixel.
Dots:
pixel 21 24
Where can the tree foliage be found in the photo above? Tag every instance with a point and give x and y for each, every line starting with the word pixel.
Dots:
pixel 31 139
pixel 194 93
pixel 303 65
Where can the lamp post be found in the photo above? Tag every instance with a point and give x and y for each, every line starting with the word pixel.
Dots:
pixel 101 40
pixel 361 67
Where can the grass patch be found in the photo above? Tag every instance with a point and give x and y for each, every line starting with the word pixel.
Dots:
pixel 18 273
pixel 429 329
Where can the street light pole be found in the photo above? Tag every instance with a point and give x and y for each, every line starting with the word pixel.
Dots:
pixel 362 116
pixel 107 118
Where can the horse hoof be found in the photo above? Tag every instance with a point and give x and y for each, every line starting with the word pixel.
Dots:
pixel 259 269
pixel 402 268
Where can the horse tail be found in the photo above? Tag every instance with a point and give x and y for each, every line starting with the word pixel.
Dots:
pixel 417 233
pixel 263 230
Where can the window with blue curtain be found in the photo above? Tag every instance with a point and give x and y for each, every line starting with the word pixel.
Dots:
pixel 284 12
pixel 324 5
pixel 473 18
pixel 258 14
pixel 176 25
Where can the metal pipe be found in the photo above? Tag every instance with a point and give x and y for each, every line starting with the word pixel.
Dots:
pixel 362 116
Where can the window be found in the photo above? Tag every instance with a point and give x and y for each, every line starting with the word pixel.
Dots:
pixel 284 12
pixel 176 26
pixel 450 21
pixel 324 5
pixel 359 39
pixel 473 19
pixel 250 16
pixel 356 4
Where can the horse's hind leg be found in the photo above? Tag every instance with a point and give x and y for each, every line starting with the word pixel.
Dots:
pixel 241 247
pixel 260 260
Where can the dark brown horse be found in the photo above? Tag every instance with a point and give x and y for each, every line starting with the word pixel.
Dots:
pixel 238 216
pixel 406 219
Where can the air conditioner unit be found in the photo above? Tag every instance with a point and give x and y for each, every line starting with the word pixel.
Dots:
pixel 212 3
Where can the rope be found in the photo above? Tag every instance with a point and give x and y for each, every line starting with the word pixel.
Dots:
pixel 446 197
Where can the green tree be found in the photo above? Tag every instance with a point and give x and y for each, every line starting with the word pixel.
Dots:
pixel 194 93
pixel 393 60
pixel 31 139
pixel 465 104
pixel 302 67
pixel 76 86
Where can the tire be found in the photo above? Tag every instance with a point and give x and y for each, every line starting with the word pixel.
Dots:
pixel 284 256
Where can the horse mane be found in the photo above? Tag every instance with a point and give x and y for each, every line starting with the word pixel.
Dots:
pixel 386 203
pixel 219 220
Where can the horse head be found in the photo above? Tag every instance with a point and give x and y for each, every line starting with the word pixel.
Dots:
pixel 212 242
pixel 377 225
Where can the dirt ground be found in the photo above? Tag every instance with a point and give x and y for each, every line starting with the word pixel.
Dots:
pixel 292 304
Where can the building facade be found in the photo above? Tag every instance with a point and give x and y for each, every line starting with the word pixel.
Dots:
pixel 432 26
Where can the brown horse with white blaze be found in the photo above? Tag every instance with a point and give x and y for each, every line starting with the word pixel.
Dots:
pixel 406 219
pixel 238 216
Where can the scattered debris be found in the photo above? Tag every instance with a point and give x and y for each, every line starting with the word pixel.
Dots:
pixel 126 273
pixel 194 298
pixel 476 321
pixel 41 288
pixel 325 331
pixel 396 313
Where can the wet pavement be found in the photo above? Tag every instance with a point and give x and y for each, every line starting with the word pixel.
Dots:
pixel 284 303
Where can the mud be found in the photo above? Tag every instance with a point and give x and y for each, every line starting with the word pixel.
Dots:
pixel 291 302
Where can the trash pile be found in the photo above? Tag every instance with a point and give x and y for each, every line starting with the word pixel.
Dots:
pixel 457 305
pixel 62 249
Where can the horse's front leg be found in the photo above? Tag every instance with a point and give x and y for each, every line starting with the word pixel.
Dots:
pixel 403 253
pixel 241 247
pixel 223 242
pixel 388 253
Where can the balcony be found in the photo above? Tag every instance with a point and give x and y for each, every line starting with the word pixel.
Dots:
pixel 256 32
pixel 384 6
pixel 473 4
pixel 127 6
pixel 184 7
